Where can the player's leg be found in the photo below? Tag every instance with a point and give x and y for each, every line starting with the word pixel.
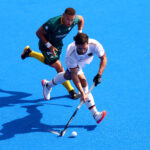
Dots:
pixel 56 64
pixel 90 103
pixel 47 85
pixel 59 68
pixel 58 79
pixel 27 52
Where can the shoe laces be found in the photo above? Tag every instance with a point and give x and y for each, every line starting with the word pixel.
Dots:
pixel 97 114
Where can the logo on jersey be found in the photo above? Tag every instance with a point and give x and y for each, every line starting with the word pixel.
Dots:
pixel 90 54
pixel 61 36
pixel 46 27
pixel 48 53
pixel 69 28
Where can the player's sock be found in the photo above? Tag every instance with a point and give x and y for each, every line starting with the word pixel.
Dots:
pixel 67 85
pixel 90 103
pixel 58 79
pixel 37 56
pixel 98 116
pixel 93 109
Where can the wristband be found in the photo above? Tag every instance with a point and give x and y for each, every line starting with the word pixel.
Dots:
pixel 48 44
pixel 79 31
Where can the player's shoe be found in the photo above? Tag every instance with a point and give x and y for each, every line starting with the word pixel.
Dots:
pixel 26 52
pixel 99 116
pixel 46 90
pixel 74 95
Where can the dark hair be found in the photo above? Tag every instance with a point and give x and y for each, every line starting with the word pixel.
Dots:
pixel 81 38
pixel 70 11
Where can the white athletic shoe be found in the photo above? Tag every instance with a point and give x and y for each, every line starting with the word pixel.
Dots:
pixel 46 89
pixel 99 116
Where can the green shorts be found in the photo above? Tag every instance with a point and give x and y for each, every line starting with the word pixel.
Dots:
pixel 49 58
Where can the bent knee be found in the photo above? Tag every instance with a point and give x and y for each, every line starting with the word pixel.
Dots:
pixel 61 69
pixel 67 75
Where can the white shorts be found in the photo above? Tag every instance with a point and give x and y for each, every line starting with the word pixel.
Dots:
pixel 68 72
pixel 79 71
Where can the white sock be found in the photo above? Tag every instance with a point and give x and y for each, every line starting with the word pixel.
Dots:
pixel 85 89
pixel 58 79
pixel 93 110
pixel 90 103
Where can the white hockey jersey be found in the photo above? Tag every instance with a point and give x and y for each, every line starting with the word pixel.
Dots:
pixel 73 59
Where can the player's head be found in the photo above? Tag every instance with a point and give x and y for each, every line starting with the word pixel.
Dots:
pixel 68 16
pixel 81 42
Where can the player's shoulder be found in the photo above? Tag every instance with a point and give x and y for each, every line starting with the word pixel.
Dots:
pixel 71 49
pixel 54 20
pixel 93 41
pixel 95 45
pixel 71 45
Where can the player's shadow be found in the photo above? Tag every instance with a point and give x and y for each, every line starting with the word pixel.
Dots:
pixel 31 123
pixel 15 97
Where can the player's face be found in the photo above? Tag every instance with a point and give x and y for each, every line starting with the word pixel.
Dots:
pixel 82 49
pixel 68 20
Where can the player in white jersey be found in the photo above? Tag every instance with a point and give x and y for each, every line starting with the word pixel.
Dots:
pixel 78 54
pixel 73 59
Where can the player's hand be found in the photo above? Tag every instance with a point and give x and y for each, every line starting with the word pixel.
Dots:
pixel 53 49
pixel 97 79
pixel 83 97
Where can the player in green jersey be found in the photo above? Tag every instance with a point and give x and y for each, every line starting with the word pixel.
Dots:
pixel 50 36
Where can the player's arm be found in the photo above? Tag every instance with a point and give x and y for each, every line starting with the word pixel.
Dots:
pixel 103 63
pixel 80 23
pixel 42 36
pixel 77 82
pixel 98 78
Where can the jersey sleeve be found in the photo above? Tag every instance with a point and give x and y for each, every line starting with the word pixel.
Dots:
pixel 99 50
pixel 71 63
pixel 70 60
pixel 48 26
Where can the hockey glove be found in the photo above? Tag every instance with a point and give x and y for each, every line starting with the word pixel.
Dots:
pixel 97 79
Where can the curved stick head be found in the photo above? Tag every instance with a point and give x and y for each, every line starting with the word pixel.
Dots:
pixel 62 133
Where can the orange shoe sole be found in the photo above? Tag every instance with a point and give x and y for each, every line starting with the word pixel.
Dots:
pixel 104 114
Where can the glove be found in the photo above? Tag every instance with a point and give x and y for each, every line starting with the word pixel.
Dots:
pixel 97 79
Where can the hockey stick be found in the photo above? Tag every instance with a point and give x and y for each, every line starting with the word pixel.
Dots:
pixel 81 103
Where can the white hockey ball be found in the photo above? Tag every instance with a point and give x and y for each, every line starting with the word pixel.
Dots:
pixel 74 134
